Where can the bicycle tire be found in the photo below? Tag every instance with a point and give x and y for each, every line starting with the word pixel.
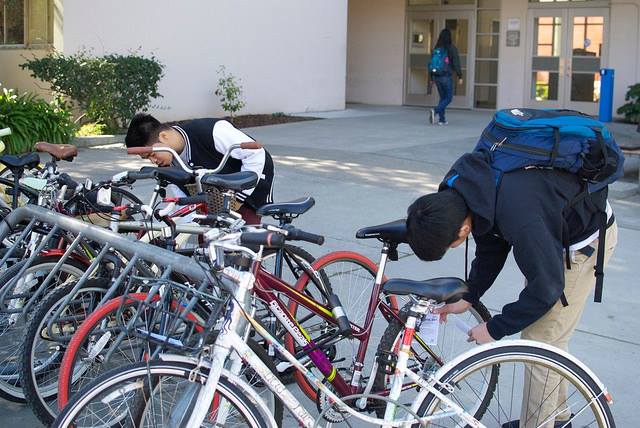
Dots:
pixel 39 392
pixel 10 386
pixel 387 345
pixel 573 372
pixel 76 349
pixel 361 266
pixel 146 371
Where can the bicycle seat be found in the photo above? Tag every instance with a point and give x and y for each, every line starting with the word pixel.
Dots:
pixel 297 207
pixel 395 231
pixel 173 175
pixel 29 160
pixel 447 290
pixel 237 181
pixel 58 151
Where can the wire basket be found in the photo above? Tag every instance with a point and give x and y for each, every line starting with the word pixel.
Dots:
pixel 215 198
pixel 172 315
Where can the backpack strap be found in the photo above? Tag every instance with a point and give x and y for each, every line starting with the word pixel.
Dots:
pixel 599 267
pixel 556 146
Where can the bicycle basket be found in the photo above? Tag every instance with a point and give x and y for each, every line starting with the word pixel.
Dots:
pixel 171 315
pixel 215 198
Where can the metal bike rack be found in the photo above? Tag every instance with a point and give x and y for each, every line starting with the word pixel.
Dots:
pixel 134 251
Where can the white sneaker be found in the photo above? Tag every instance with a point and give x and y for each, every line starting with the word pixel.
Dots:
pixel 432 116
pixel 443 123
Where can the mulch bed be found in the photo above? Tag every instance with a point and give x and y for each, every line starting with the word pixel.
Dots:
pixel 250 120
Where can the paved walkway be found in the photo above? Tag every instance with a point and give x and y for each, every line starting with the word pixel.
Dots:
pixel 364 166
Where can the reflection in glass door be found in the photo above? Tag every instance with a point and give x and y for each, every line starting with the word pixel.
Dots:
pixel 421 39
pixel 423 34
pixel 567 47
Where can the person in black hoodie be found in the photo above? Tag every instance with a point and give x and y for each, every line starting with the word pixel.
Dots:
pixel 203 143
pixel 530 212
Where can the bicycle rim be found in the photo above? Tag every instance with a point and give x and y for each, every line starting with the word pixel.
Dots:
pixel 562 394
pixel 156 394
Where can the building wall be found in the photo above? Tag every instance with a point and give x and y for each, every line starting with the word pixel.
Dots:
pixel 12 76
pixel 624 47
pixel 375 51
pixel 289 55
pixel 623 38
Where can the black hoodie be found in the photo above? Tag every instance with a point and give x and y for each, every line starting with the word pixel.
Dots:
pixel 525 212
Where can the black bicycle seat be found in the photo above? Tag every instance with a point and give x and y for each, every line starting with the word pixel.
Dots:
pixel 28 160
pixel 237 181
pixel 395 231
pixel 296 207
pixel 173 175
pixel 447 290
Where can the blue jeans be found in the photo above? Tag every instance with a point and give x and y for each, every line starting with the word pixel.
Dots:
pixel 445 90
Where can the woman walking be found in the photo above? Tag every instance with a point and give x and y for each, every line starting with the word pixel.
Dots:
pixel 444 61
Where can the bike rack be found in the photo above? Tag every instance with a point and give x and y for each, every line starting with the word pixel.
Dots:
pixel 137 253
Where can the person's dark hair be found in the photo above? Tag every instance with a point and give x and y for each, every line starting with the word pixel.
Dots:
pixel 143 130
pixel 433 222
pixel 444 39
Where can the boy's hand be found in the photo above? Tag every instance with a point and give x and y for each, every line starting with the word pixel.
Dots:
pixel 452 308
pixel 480 334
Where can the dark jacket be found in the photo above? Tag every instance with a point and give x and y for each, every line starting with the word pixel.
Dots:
pixel 454 61
pixel 525 213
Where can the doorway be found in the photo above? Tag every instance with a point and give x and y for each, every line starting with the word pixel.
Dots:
pixel 566 51
pixel 423 31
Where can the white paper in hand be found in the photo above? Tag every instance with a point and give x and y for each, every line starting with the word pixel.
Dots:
pixel 429 328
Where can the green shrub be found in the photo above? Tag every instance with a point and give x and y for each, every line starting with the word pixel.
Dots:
pixel 91 129
pixel 230 92
pixel 33 119
pixel 631 110
pixel 108 89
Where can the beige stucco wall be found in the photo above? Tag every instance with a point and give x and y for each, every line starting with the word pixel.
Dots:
pixel 375 51
pixel 623 38
pixel 290 55
pixel 624 47
pixel 12 76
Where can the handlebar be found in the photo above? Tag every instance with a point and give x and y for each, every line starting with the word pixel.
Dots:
pixel 294 234
pixel 267 239
pixel 188 200
pixel 249 145
pixel 5 131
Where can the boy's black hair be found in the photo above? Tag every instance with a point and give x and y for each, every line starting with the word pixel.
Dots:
pixel 433 222
pixel 142 129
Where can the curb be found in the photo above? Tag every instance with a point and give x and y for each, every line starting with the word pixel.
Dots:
pixel 97 140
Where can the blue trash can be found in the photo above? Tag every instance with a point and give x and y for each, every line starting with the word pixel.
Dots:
pixel 606 94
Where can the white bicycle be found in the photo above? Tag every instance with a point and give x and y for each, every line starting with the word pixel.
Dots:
pixel 179 391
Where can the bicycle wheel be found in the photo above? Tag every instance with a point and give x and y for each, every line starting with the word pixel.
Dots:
pixel 351 276
pixel 13 322
pixel 569 396
pixel 158 394
pixel 42 353
pixel 452 341
pixel 86 355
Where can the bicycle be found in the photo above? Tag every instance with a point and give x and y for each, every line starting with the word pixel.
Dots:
pixel 130 393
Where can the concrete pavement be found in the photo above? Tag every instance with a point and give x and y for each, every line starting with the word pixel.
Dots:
pixel 364 166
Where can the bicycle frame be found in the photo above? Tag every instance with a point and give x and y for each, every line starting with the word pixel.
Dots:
pixel 230 339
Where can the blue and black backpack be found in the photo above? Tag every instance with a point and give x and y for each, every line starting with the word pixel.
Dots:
pixel 439 62
pixel 522 138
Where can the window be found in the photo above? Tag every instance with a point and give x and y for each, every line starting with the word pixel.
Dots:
pixel 25 22
pixel 487 47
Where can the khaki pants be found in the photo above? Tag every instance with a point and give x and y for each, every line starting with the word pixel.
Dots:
pixel 542 395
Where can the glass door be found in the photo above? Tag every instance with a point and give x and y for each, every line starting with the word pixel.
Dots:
pixel 424 29
pixel 565 56
pixel 422 33
pixel 586 28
